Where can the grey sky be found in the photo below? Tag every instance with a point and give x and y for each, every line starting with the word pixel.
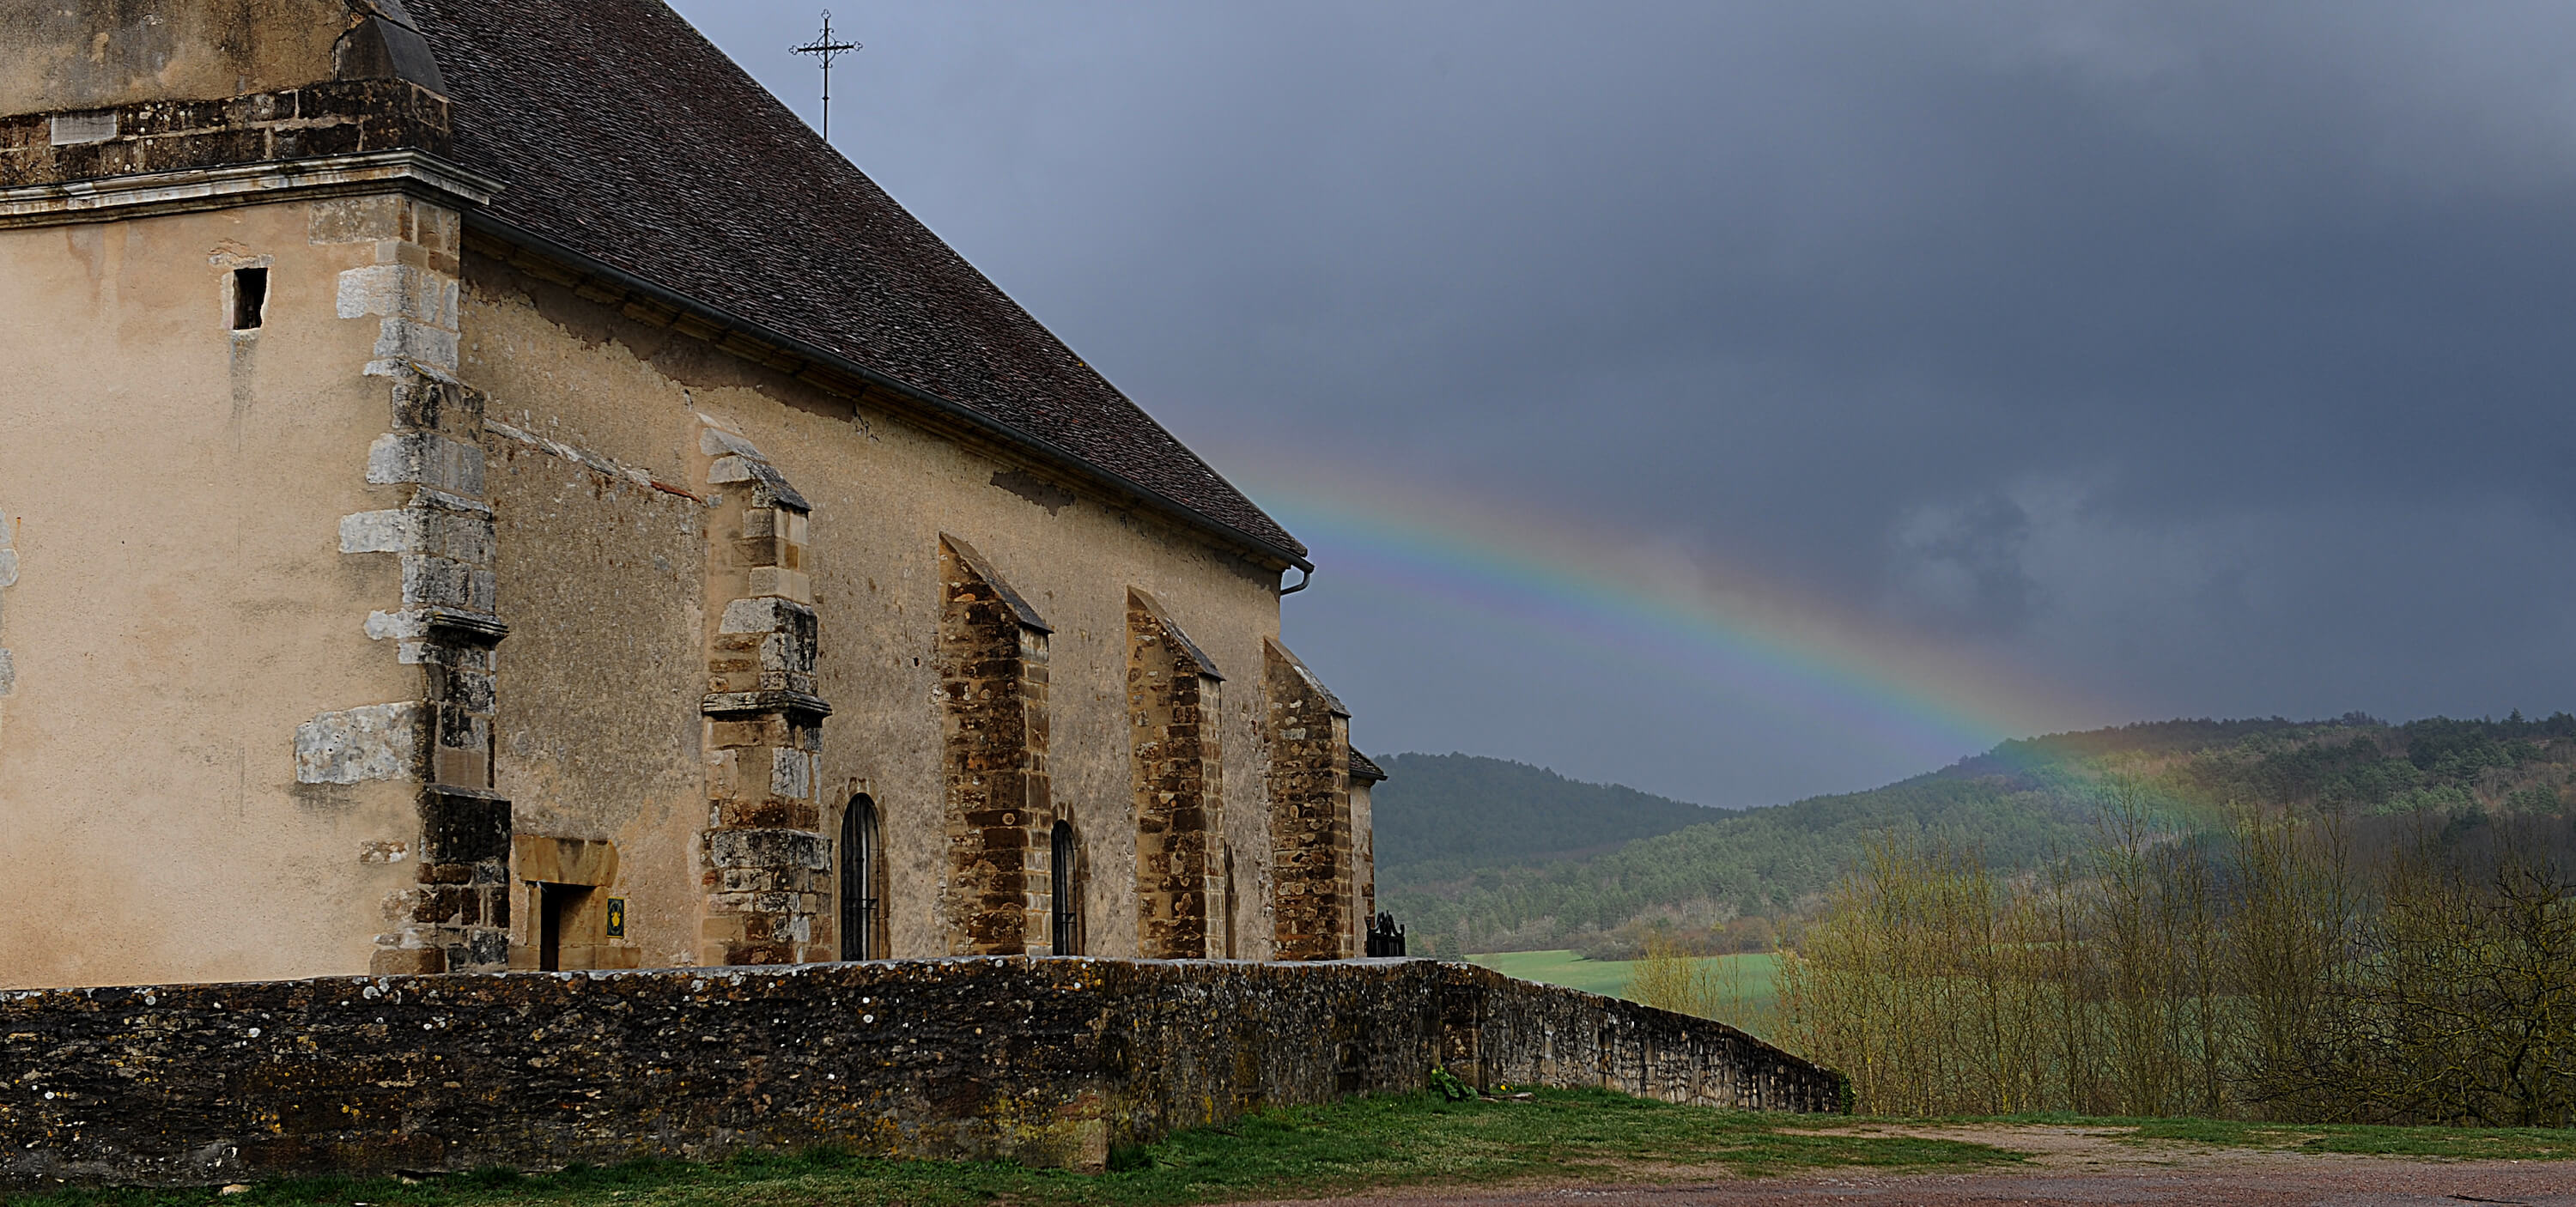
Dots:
pixel 2211 358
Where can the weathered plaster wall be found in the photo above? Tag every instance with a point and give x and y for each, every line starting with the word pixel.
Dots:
pixel 600 581
pixel 1048 1061
pixel 1364 849
pixel 8 579
pixel 97 54
pixel 883 491
pixel 175 492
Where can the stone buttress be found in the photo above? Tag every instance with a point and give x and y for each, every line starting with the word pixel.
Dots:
pixel 428 467
pixel 1307 764
pixel 992 660
pixel 765 863
pixel 1172 715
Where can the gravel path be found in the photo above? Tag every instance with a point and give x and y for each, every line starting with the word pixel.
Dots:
pixel 2389 1185
pixel 2069 1165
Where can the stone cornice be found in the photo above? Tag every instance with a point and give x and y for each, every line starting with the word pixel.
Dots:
pixel 734 704
pixel 153 193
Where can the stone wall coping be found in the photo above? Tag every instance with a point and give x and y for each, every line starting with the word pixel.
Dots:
pixel 1020 610
pixel 154 193
pixel 740 973
pixel 1179 636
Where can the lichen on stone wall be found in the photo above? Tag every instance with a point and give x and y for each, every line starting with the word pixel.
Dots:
pixel 1046 1061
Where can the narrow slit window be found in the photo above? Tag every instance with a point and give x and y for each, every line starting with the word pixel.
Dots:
pixel 250 298
pixel 1065 863
pixel 1229 904
pixel 862 883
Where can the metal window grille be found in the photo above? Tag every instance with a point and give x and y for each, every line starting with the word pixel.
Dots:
pixel 862 868
pixel 1068 892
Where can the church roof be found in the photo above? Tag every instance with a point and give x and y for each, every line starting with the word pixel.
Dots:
pixel 1365 768
pixel 627 138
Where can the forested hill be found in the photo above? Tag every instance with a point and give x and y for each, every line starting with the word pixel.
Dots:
pixel 1461 885
pixel 1448 814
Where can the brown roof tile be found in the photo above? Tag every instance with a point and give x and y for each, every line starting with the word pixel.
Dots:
pixel 628 138
pixel 1365 768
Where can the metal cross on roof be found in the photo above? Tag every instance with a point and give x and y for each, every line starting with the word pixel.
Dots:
pixel 824 48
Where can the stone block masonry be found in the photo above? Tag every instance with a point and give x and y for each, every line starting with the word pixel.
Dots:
pixel 1046 1061
pixel 428 468
pixel 348 117
pixel 1172 709
pixel 764 861
pixel 1315 885
pixel 992 660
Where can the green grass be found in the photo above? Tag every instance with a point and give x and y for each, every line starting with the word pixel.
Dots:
pixel 1610 977
pixel 1415 1140
pixel 1298 1152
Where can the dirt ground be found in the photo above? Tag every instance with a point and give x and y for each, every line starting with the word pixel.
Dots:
pixel 2069 1165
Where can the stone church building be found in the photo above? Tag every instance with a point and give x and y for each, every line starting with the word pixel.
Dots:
pixel 483 486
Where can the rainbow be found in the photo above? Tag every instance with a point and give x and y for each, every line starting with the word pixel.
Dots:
pixel 1723 628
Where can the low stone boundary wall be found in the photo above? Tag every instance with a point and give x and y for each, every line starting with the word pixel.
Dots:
pixel 1039 1060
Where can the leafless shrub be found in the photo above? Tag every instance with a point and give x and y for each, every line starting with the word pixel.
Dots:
pixel 2256 969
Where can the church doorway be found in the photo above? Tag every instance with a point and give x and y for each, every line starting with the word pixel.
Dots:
pixel 559 916
pixel 862 882
pixel 1066 861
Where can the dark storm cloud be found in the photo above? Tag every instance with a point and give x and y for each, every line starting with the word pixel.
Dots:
pixel 1965 564
pixel 2214 355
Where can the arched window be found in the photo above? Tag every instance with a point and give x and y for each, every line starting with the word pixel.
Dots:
pixel 1066 862
pixel 862 883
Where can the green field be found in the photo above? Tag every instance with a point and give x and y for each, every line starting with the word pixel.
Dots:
pixel 1610 977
